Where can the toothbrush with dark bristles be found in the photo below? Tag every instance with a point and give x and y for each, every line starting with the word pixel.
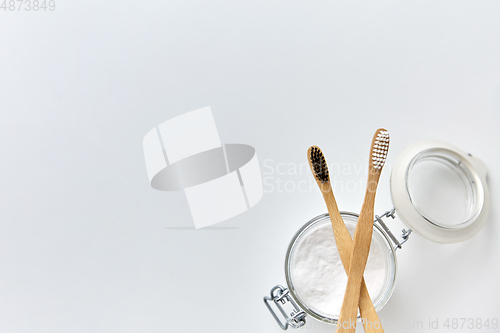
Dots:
pixel 319 168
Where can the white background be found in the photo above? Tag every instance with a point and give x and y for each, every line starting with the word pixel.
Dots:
pixel 86 245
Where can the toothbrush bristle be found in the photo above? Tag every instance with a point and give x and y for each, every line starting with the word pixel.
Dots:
pixel 319 165
pixel 380 149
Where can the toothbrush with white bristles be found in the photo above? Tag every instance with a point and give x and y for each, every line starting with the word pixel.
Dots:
pixel 363 234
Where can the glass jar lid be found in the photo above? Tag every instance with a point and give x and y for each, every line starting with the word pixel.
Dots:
pixel 440 191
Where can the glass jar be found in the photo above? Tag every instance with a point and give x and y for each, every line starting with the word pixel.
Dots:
pixel 439 191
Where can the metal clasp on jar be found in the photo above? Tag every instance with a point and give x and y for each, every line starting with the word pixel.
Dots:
pixel 281 296
pixel 405 232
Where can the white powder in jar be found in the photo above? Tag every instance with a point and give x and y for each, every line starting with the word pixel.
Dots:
pixel 319 277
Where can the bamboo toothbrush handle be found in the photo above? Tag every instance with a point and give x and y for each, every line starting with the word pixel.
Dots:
pixel 363 234
pixel 345 244
pixel 370 319
pixel 348 313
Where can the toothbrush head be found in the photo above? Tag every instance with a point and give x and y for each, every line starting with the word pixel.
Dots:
pixel 380 148
pixel 318 164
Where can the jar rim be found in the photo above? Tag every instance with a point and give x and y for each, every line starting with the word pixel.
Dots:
pixel 392 269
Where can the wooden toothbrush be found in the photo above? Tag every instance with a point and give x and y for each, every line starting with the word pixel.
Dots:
pixel 363 234
pixel 343 239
